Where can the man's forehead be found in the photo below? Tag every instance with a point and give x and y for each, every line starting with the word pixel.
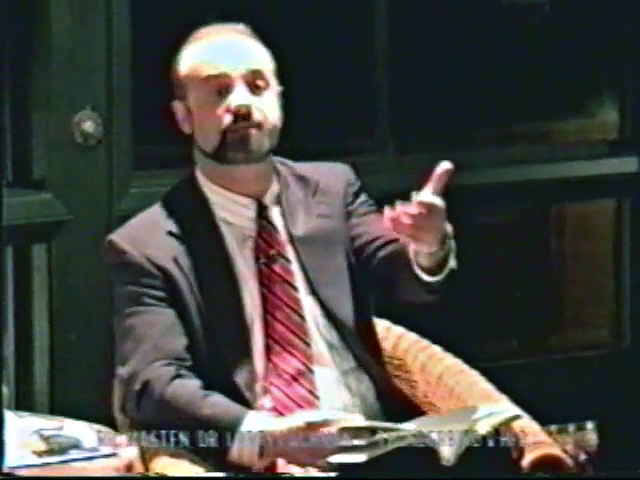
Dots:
pixel 229 53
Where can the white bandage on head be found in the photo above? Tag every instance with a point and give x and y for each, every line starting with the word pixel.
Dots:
pixel 228 53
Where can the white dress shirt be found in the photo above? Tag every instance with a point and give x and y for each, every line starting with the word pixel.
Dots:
pixel 341 384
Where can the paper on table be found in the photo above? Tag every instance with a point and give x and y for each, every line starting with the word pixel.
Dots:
pixel 20 436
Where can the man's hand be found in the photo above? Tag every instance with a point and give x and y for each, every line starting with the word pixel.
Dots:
pixel 305 443
pixel 423 220
pixel 547 459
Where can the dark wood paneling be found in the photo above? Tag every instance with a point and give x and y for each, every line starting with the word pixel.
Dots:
pixel 120 108
pixel 57 213
pixel 144 190
pixel 27 319
pixel 77 76
pixel 32 326
pixel 8 328
pixel 33 207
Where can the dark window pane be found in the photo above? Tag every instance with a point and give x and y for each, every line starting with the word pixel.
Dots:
pixel 494 73
pixel 326 64
pixel 540 280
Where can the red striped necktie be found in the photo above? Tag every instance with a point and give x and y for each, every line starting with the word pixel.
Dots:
pixel 289 375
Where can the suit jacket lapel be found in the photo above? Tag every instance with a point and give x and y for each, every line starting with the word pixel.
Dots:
pixel 312 230
pixel 225 323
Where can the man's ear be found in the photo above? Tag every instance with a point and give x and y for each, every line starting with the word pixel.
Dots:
pixel 183 116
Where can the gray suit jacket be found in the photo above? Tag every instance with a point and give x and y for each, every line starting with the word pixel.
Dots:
pixel 182 345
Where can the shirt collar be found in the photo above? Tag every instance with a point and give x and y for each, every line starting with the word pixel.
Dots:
pixel 232 207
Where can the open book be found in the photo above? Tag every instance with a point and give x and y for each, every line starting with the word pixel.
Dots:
pixel 449 434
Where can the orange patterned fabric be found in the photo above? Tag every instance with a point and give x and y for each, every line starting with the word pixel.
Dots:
pixel 438 381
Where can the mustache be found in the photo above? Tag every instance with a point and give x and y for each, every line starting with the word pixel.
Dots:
pixel 244 124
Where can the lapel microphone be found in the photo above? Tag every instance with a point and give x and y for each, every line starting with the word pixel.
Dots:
pixel 269 258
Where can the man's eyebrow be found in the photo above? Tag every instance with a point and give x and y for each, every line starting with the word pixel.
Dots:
pixel 263 71
pixel 226 75
pixel 216 76
pixel 245 71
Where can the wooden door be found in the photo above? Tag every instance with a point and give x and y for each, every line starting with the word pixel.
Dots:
pixel 57 348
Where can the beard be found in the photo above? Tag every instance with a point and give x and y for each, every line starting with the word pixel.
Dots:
pixel 243 147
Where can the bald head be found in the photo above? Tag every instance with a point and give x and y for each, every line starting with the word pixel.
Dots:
pixel 220 48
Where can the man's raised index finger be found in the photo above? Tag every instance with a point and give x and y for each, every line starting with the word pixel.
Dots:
pixel 439 178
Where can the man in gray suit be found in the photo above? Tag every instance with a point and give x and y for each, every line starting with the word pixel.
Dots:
pixel 194 349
